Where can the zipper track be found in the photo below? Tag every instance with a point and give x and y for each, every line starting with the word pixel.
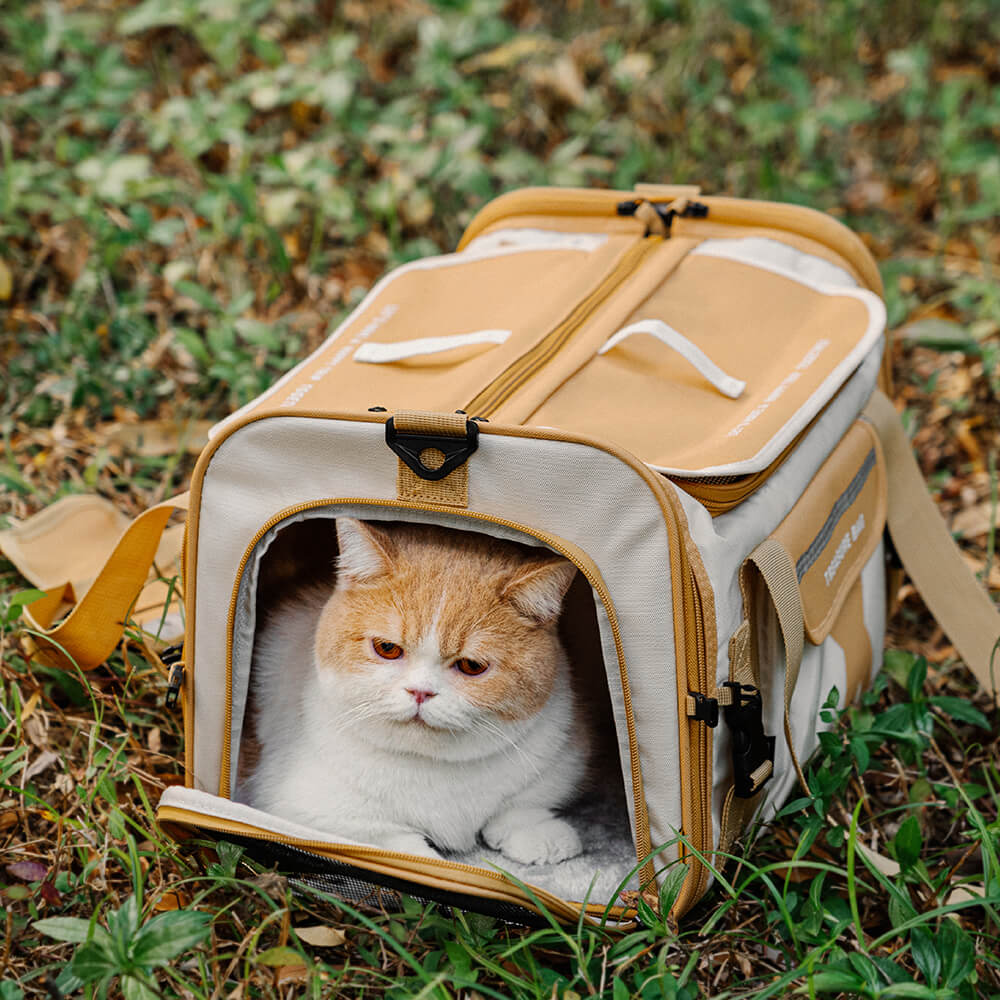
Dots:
pixel 643 843
pixel 703 805
pixel 487 401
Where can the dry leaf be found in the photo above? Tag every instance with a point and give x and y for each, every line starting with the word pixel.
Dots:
pixel 157 438
pixel 41 763
pixel 6 282
pixel 976 520
pixel 879 861
pixel 30 705
pixel 172 899
pixel 27 871
pixel 321 936
pixel 285 974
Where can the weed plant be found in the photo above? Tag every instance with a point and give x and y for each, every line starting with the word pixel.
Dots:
pixel 193 193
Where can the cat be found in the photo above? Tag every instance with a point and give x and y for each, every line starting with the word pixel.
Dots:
pixel 426 701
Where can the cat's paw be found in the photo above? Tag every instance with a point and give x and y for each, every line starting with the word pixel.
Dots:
pixel 409 842
pixel 532 837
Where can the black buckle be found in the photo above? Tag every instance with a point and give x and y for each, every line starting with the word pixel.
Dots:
pixel 705 709
pixel 409 447
pixel 751 747
pixel 174 684
pixel 172 654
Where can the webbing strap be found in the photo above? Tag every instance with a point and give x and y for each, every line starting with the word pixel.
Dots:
pixel 89 633
pixel 775 568
pixel 778 573
pixel 930 556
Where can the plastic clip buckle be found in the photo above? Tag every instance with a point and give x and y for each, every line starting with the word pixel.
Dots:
pixel 705 709
pixel 751 746
pixel 410 446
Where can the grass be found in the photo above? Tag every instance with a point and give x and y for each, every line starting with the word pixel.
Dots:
pixel 193 193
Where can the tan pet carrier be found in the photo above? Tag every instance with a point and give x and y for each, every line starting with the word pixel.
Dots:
pixel 683 395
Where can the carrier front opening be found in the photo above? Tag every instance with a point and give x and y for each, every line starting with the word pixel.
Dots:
pixel 499 756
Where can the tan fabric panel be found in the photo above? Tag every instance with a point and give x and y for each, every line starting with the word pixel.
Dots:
pixel 849 632
pixel 835 526
pixel 525 291
pixel 650 400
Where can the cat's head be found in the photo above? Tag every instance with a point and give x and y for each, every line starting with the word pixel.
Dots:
pixel 440 641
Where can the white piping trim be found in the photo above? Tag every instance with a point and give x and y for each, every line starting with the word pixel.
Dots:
pixel 759 251
pixel 375 353
pixel 690 352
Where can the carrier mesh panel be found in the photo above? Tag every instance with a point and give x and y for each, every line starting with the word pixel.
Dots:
pixel 363 888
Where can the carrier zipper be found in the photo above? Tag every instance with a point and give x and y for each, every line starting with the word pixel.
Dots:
pixel 642 837
pixel 515 375
pixel 704 790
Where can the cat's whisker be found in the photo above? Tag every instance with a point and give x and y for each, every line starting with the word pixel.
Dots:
pixel 485 725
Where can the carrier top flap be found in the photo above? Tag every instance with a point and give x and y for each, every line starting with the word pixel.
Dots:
pixel 433 332
pixel 719 370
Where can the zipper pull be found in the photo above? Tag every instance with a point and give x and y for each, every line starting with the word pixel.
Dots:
pixel 172 657
pixel 666 212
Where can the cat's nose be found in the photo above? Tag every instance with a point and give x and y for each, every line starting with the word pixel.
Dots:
pixel 421 696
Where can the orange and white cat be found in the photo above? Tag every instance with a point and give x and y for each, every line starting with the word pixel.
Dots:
pixel 426 701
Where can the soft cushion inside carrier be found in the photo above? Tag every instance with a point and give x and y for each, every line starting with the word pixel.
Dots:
pixel 302 549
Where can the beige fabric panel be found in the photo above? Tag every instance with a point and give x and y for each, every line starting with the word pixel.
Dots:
pixel 535 482
pixel 835 526
pixel 791 343
pixel 526 291
pixel 583 346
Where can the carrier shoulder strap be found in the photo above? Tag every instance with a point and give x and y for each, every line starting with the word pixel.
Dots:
pixel 961 606
pixel 87 636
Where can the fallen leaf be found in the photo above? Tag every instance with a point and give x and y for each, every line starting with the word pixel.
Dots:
pixel 50 893
pixel 29 706
pixel 159 438
pixel 172 899
pixel 6 282
pixel 976 520
pixel 41 763
pixel 321 936
pixel 27 871
pixel 290 974
pixel 279 956
pixel 879 861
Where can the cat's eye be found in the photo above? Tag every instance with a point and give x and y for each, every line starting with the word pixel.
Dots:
pixel 469 667
pixel 387 650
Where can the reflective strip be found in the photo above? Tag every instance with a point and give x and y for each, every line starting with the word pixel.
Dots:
pixel 819 543
pixel 695 356
pixel 374 353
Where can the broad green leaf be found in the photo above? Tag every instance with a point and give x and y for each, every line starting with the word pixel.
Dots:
pixel 925 954
pixel 898 663
pixel 9 990
pixel 123 924
pixel 960 709
pixel 93 960
pixel 838 981
pixel 168 934
pixel 135 988
pixel 958 953
pixel 913 990
pixel 907 842
pixel 65 928
pixel 940 335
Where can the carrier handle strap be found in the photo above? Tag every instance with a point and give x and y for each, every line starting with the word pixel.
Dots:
pixel 728 385
pixel 961 606
pixel 87 636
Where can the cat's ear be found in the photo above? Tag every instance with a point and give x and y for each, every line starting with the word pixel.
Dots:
pixel 538 589
pixel 365 551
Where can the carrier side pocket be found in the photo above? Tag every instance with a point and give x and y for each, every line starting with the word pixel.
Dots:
pixel 814 600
